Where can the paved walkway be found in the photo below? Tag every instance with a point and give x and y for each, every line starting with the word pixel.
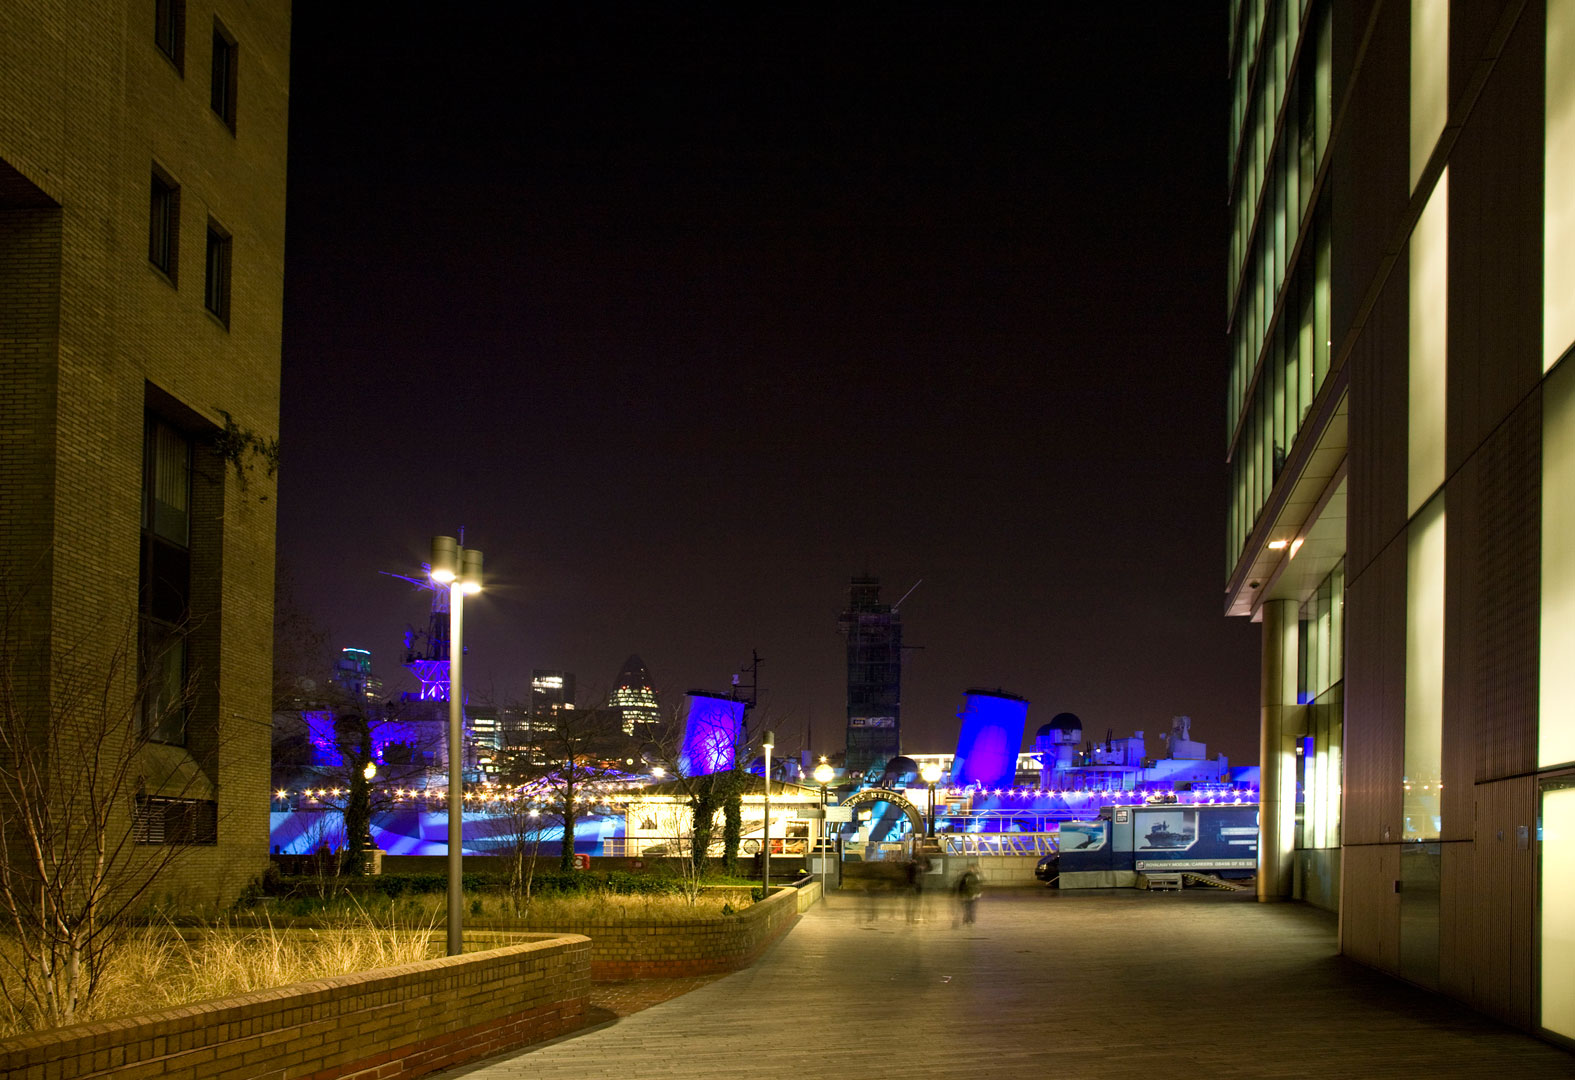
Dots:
pixel 1107 984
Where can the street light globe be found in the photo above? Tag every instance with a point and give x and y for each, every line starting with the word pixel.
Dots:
pixel 370 770
pixel 930 773
pixel 824 773
pixel 658 772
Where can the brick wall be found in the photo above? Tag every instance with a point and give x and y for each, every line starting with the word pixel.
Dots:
pixel 398 1022
pixel 657 948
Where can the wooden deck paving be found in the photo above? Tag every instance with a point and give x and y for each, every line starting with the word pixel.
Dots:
pixel 1102 984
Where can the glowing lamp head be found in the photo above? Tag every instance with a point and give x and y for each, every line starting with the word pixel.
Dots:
pixel 658 772
pixel 930 773
pixel 445 559
pixel 824 773
pixel 370 771
pixel 470 571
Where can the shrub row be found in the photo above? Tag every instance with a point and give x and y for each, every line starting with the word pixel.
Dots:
pixel 392 886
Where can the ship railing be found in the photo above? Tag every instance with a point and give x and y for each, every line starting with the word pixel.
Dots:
pixel 971 844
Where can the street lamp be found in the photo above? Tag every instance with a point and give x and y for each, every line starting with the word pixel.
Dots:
pixel 460 569
pixel 824 774
pixel 930 774
pixel 768 742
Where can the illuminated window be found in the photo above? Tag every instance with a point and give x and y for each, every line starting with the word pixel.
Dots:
pixel 1558 218
pixel 1557 932
pixel 1424 674
pixel 1429 286
pixel 1556 704
pixel 1429 79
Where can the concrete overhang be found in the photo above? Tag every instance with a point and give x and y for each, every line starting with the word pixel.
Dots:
pixel 1304 521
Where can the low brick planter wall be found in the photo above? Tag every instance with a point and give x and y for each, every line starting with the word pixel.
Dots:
pixel 660 949
pixel 399 1022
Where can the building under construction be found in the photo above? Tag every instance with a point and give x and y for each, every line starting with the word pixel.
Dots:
pixel 874 634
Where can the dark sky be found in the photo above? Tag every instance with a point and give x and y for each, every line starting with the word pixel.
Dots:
pixel 689 315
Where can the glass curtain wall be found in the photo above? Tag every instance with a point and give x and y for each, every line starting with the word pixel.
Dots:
pixel 1279 255
pixel 1321 687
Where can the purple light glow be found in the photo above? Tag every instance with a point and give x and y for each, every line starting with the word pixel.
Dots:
pixel 992 733
pixel 712 726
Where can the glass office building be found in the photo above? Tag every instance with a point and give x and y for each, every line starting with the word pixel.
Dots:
pixel 1401 447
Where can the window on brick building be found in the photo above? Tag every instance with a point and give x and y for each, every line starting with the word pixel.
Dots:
pixel 165 582
pixel 160 820
pixel 169 31
pixel 225 57
pixel 216 288
pixel 164 224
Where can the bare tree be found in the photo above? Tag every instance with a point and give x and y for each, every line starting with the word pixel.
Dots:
pixel 517 823
pixel 708 771
pixel 91 814
pixel 570 753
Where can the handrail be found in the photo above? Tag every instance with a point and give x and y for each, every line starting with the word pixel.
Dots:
pixel 1000 843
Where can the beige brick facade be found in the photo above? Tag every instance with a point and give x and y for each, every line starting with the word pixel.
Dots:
pixel 94 338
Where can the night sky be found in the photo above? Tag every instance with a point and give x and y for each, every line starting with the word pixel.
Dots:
pixel 687 316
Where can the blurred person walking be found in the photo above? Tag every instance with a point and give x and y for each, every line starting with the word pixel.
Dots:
pixel 968 889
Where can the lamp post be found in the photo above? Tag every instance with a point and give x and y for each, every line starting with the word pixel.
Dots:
pixel 823 776
pixel 765 859
pixel 930 774
pixel 460 569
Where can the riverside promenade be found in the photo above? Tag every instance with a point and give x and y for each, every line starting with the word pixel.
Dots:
pixel 1106 984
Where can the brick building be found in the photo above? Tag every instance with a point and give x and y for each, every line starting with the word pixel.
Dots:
pixel 142 196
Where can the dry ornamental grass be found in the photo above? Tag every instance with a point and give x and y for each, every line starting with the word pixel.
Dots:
pixel 158 967
pixel 162 966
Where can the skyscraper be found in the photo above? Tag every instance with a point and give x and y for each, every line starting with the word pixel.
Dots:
pixel 550 691
pixel 874 649
pixel 634 698
pixel 1402 457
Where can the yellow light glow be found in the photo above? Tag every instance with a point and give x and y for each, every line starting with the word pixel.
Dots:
pixel 1296 545
pixel 1278 545
pixel 443 576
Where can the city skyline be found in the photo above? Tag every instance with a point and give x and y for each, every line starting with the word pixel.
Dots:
pixel 689 320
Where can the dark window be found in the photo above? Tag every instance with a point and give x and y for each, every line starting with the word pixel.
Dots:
pixel 175 821
pixel 225 54
pixel 164 224
pixel 165 582
pixel 216 291
pixel 169 30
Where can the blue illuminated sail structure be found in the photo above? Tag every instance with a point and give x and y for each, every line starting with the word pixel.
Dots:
pixel 993 722
pixel 713 726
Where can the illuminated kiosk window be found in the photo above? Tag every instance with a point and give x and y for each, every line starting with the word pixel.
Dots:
pixel 1556 704
pixel 712 726
pixel 1429 79
pixel 1558 211
pixel 992 732
pixel 1558 915
pixel 1429 279
pixel 1424 674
